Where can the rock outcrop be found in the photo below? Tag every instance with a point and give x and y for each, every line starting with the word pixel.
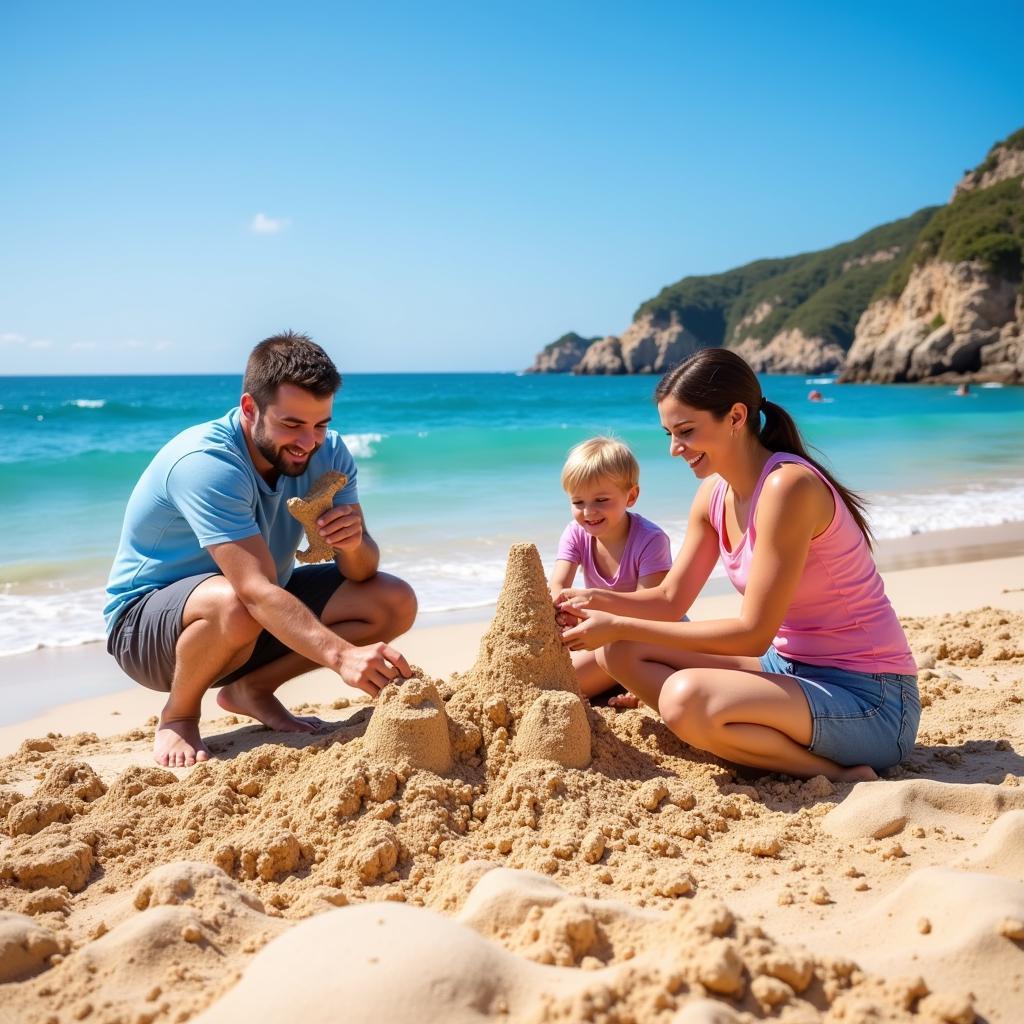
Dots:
pixel 951 320
pixel 791 352
pixel 604 357
pixel 649 345
pixel 561 356
pixel 1003 162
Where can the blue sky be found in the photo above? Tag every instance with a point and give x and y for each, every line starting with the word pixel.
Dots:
pixel 450 186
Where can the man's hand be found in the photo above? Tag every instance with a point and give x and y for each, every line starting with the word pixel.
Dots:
pixel 342 527
pixel 371 668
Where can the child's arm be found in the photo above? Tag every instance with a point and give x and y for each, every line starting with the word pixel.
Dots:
pixel 562 576
pixel 670 599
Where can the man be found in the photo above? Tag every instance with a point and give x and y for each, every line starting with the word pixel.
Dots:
pixel 203 591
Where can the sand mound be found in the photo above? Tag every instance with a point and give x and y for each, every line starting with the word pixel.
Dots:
pixel 951 928
pixel 411 965
pixel 643 880
pixel 988 636
pixel 1001 852
pixel 415 965
pixel 25 947
pixel 878 810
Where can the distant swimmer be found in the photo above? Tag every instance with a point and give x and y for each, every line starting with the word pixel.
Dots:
pixel 963 389
pixel 815 396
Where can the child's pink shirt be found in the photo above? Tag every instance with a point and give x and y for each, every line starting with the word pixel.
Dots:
pixel 839 614
pixel 647 551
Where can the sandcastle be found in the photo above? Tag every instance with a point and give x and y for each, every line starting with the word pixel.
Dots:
pixel 519 700
pixel 523 665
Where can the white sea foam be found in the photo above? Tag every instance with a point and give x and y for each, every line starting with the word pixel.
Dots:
pixel 87 403
pixel 820 380
pixel 469 574
pixel 991 504
pixel 361 445
pixel 58 618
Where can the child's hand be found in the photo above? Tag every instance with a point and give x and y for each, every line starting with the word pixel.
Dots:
pixel 568 603
pixel 593 629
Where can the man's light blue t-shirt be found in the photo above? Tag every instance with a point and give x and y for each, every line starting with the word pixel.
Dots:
pixel 201 489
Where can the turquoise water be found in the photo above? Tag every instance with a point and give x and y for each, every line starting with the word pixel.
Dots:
pixel 455 467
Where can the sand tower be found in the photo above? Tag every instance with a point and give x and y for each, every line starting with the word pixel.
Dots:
pixel 523 663
pixel 409 724
pixel 522 649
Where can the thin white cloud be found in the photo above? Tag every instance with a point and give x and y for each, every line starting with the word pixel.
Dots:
pixel 162 346
pixel 12 338
pixel 82 346
pixel 261 224
pixel 133 343
pixel 40 343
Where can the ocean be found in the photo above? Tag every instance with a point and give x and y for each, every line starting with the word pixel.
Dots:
pixel 454 468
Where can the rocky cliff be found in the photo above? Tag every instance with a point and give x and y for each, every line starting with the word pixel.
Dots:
pixel 951 321
pixel 935 296
pixel 955 309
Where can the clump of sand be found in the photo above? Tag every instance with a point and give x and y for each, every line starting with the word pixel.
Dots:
pixel 556 862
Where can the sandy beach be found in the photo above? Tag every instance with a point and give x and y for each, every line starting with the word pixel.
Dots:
pixel 498 851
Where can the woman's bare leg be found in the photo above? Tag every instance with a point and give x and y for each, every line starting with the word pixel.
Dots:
pixel 643 668
pixel 726 706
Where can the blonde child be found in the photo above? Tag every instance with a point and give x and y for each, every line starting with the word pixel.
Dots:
pixel 617 549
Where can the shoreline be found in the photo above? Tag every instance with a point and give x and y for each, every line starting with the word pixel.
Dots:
pixel 81 688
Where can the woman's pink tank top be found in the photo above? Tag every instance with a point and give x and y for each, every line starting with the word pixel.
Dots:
pixel 839 615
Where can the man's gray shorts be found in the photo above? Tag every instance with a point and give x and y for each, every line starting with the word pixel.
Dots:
pixel 145 635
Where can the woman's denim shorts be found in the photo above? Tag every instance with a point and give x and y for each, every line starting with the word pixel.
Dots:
pixel 858 717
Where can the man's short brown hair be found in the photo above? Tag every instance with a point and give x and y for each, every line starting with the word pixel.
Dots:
pixel 289 358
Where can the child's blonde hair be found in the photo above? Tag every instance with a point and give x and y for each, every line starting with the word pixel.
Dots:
pixel 600 457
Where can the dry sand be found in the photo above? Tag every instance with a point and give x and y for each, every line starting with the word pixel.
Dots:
pixel 501 851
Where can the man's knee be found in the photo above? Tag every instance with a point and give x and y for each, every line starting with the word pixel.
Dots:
pixel 683 705
pixel 226 610
pixel 400 603
pixel 388 604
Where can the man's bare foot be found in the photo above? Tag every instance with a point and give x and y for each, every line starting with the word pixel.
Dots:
pixel 857 773
pixel 178 743
pixel 624 701
pixel 265 708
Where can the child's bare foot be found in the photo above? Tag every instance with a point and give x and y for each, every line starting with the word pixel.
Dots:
pixel 266 708
pixel 624 701
pixel 178 743
pixel 857 773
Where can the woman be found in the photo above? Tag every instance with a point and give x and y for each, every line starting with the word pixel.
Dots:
pixel 815 676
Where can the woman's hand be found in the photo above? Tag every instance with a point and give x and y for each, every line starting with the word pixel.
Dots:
pixel 568 603
pixel 592 629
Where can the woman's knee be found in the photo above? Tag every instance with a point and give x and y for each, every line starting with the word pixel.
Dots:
pixel 683 704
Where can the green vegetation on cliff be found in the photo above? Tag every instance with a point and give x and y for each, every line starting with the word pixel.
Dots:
pixel 1014 141
pixel 821 293
pixel 572 338
pixel 984 224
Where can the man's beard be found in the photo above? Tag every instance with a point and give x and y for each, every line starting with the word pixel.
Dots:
pixel 276 456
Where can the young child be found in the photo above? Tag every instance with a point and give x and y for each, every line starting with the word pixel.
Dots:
pixel 617 549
